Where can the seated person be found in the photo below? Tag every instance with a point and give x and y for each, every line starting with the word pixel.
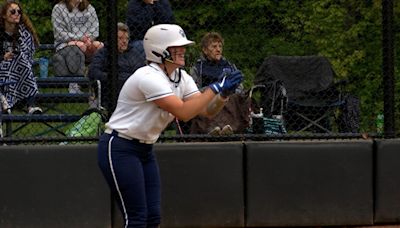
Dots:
pixel 75 27
pixel 129 59
pixel 75 22
pixel 233 118
pixel 18 41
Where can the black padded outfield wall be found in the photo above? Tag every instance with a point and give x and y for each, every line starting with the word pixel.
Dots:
pixel 387 205
pixel 202 185
pixel 309 183
pixel 52 186
pixel 254 184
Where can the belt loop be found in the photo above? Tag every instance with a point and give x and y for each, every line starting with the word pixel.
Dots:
pixel 114 133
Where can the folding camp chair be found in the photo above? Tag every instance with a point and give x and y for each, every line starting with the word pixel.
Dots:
pixel 312 95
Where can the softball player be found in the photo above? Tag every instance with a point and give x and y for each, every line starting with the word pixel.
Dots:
pixel 149 100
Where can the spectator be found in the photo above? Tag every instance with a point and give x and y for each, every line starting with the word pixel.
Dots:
pixel 75 22
pixel 233 118
pixel 18 40
pixel 76 28
pixel 142 14
pixel 129 59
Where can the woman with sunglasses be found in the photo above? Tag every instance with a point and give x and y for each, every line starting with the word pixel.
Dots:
pixel 18 41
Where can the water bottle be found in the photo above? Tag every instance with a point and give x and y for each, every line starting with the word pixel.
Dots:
pixel 44 66
pixel 380 122
pixel 258 122
pixel 4 104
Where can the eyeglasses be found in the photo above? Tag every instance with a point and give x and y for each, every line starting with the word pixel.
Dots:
pixel 14 11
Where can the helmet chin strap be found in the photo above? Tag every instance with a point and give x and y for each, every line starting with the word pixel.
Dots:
pixel 167 60
pixel 175 80
pixel 165 57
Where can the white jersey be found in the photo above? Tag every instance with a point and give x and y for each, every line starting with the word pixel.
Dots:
pixel 136 115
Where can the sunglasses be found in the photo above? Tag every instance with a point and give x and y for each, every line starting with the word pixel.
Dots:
pixel 14 11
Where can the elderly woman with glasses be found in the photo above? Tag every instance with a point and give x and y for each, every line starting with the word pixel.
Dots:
pixel 18 41
pixel 233 118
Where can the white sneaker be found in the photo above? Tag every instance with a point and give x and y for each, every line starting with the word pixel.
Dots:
pixel 74 88
pixel 34 110
pixel 216 131
pixel 227 130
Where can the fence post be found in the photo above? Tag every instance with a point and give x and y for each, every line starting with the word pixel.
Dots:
pixel 388 68
pixel 112 53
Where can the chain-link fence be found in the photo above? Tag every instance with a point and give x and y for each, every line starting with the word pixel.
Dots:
pixel 313 69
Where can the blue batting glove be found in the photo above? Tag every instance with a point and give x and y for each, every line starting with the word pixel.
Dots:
pixel 229 82
pixel 225 72
pixel 227 93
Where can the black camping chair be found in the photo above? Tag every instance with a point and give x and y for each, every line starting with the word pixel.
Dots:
pixel 312 95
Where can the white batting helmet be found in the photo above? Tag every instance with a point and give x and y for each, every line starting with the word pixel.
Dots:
pixel 159 37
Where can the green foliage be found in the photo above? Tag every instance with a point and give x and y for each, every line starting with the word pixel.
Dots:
pixel 39 12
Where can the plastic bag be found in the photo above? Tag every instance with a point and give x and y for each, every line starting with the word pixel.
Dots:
pixel 89 125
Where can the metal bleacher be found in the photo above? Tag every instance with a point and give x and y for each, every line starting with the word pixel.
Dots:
pixel 60 107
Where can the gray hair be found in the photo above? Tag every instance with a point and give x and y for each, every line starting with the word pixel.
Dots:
pixel 123 27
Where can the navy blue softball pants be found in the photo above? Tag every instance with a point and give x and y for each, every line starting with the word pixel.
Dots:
pixel 131 170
